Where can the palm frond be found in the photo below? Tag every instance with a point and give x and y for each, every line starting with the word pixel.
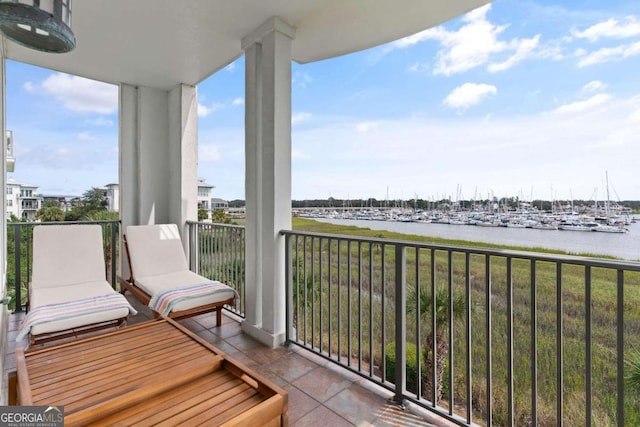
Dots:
pixel 633 375
pixel 425 303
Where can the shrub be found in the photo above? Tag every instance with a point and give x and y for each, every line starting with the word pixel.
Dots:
pixel 412 365
pixel 633 375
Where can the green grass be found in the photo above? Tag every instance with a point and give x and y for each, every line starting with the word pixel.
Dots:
pixel 352 294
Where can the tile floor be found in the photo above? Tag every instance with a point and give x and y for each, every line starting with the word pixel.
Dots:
pixel 320 392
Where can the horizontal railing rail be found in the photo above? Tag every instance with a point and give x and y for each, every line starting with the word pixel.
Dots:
pixel 20 256
pixel 217 251
pixel 494 336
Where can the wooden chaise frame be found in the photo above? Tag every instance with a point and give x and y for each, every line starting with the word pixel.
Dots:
pixel 144 297
pixel 75 332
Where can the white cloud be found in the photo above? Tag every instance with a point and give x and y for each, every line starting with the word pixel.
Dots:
pixel 468 95
pixel 608 54
pixel 392 157
pixel 237 102
pixel 231 67
pixel 299 117
pixel 593 86
pixel 29 87
pixel 101 121
pixel 630 27
pixel 583 106
pixel 635 116
pixel 86 137
pixel 523 49
pixel 475 44
pixel 301 79
pixel 82 95
pixel 418 67
pixel 299 155
pixel 208 153
pixel 204 111
pixel 366 126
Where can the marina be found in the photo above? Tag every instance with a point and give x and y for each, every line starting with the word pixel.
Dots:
pixel 620 245
pixel 610 218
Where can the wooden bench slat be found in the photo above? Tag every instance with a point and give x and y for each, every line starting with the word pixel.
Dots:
pixel 106 339
pixel 233 398
pixel 207 387
pixel 72 368
pixel 139 370
pixel 90 353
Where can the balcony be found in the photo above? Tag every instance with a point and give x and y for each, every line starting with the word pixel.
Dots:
pixel 517 354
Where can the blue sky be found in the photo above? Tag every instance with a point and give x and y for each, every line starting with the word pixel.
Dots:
pixel 519 98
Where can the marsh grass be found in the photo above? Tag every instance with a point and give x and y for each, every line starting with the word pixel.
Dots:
pixel 351 317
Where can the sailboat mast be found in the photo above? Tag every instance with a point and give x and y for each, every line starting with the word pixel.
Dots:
pixel 606 205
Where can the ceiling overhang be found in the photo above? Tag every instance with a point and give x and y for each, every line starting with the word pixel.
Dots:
pixel 161 43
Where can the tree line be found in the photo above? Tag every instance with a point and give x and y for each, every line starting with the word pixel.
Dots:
pixel 92 206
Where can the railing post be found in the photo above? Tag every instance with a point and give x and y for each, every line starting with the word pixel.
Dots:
pixel 112 226
pixel 401 324
pixel 288 287
pixel 193 237
pixel 17 266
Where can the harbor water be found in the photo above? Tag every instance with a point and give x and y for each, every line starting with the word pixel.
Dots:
pixel 620 245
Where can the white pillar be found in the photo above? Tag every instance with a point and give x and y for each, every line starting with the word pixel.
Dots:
pixel 158 156
pixel 268 176
pixel 3 173
pixel 4 312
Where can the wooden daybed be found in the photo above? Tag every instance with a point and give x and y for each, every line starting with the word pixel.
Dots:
pixel 154 372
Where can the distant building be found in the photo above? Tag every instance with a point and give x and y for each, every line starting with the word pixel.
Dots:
pixel 112 193
pixel 204 196
pixel 113 197
pixel 23 200
pixel 63 202
pixel 219 204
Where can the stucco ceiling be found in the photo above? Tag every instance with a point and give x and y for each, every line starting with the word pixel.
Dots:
pixel 160 43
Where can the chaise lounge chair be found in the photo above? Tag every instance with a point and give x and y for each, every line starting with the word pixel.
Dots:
pixel 160 276
pixel 69 294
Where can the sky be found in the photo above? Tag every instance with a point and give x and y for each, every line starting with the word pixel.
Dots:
pixel 530 99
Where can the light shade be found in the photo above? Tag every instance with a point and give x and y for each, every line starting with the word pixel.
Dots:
pixel 43 25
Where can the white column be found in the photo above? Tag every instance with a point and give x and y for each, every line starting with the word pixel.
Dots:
pixel 3 175
pixel 268 176
pixel 4 312
pixel 158 156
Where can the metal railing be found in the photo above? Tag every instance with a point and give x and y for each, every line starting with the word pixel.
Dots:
pixel 496 337
pixel 20 256
pixel 216 251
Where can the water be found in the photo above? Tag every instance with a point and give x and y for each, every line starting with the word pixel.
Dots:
pixel 625 246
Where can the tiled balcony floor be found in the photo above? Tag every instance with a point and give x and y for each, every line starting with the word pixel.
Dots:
pixel 320 393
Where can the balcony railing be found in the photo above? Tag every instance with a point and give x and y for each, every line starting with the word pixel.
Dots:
pixel 490 336
pixel 216 251
pixel 20 256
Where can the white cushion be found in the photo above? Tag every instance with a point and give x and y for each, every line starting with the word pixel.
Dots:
pixel 62 294
pixel 66 255
pixel 158 283
pixel 155 250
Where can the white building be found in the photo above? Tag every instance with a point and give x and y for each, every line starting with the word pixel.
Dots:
pixel 217 203
pixel 22 200
pixel 113 197
pixel 112 192
pixel 204 196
